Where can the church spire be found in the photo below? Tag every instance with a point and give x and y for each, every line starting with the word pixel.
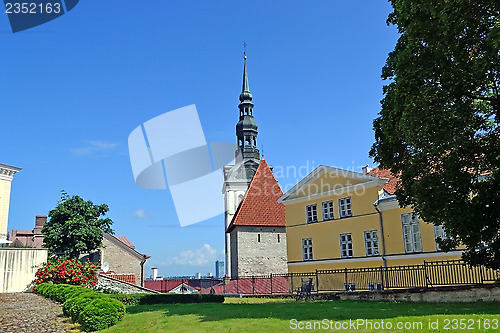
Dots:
pixel 246 129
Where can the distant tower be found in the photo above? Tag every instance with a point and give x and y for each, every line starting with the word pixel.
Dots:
pixel 237 177
pixel 219 269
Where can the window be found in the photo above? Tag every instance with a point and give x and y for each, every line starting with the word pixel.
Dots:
pixel 311 213
pixel 258 238
pixel 371 243
pixel 346 245
pixel 278 238
pixel 439 233
pixel 411 233
pixel 327 210
pixel 345 207
pixel 307 249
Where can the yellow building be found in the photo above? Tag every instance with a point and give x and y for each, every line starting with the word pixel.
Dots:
pixel 338 219
pixel 7 173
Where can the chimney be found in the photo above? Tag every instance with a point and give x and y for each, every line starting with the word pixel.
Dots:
pixel 366 169
pixel 39 223
pixel 154 271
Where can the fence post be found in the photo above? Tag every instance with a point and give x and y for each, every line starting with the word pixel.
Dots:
pixel 237 285
pixel 426 275
pixel 271 277
pixel 382 277
pixel 317 282
pixel 253 285
pixel 291 279
pixel 345 275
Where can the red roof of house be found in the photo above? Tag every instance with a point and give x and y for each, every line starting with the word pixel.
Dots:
pixel 125 241
pixel 260 206
pixel 391 185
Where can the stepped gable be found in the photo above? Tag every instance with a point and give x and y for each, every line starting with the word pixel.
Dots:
pixel 260 206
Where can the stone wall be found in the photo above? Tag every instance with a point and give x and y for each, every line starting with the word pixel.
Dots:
pixel 484 293
pixel 260 258
pixel 120 260
pixel 109 284
pixel 18 267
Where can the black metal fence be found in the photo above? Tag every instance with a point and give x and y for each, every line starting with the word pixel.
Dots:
pixel 428 274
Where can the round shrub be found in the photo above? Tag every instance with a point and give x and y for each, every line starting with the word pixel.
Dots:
pixel 80 302
pixel 61 293
pixel 98 315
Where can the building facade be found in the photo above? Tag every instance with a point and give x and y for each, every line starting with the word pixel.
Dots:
pixel 257 231
pixel 7 173
pixel 339 219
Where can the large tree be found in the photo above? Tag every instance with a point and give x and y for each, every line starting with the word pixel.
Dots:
pixel 75 226
pixel 438 129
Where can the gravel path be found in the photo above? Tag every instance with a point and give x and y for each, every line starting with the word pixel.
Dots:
pixel 30 313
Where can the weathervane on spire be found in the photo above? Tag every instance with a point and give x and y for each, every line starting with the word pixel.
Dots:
pixel 245 50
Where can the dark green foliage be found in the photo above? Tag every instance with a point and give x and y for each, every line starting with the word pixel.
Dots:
pixel 92 309
pixel 98 315
pixel 42 288
pixel 439 127
pixel 78 303
pixel 145 299
pixel 75 226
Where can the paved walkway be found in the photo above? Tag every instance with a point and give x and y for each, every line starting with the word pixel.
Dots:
pixel 30 313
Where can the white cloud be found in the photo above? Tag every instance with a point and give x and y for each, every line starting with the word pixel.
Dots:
pixel 91 147
pixel 141 214
pixel 199 257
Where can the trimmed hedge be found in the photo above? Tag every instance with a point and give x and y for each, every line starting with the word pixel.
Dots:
pixel 148 299
pixel 92 309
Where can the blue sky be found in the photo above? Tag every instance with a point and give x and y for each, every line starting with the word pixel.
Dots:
pixel 73 89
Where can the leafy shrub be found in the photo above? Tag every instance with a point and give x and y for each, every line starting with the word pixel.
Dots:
pixel 92 309
pixel 42 288
pixel 100 314
pixel 80 302
pixel 148 299
pixel 68 271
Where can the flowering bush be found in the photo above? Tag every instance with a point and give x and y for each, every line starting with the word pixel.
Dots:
pixel 68 271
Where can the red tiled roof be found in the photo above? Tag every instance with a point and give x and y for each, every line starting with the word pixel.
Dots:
pixel 391 186
pixel 260 206
pixel 125 241
pixel 130 278
pixel 165 286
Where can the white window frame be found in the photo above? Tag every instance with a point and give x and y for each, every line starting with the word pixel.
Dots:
pixel 346 250
pixel 411 233
pixel 345 207
pixel 311 213
pixel 327 210
pixel 439 232
pixel 307 249
pixel 371 243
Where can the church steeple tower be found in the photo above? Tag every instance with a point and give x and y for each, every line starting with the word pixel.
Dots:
pixel 246 129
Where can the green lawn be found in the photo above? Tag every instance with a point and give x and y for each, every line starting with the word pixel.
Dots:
pixel 275 315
